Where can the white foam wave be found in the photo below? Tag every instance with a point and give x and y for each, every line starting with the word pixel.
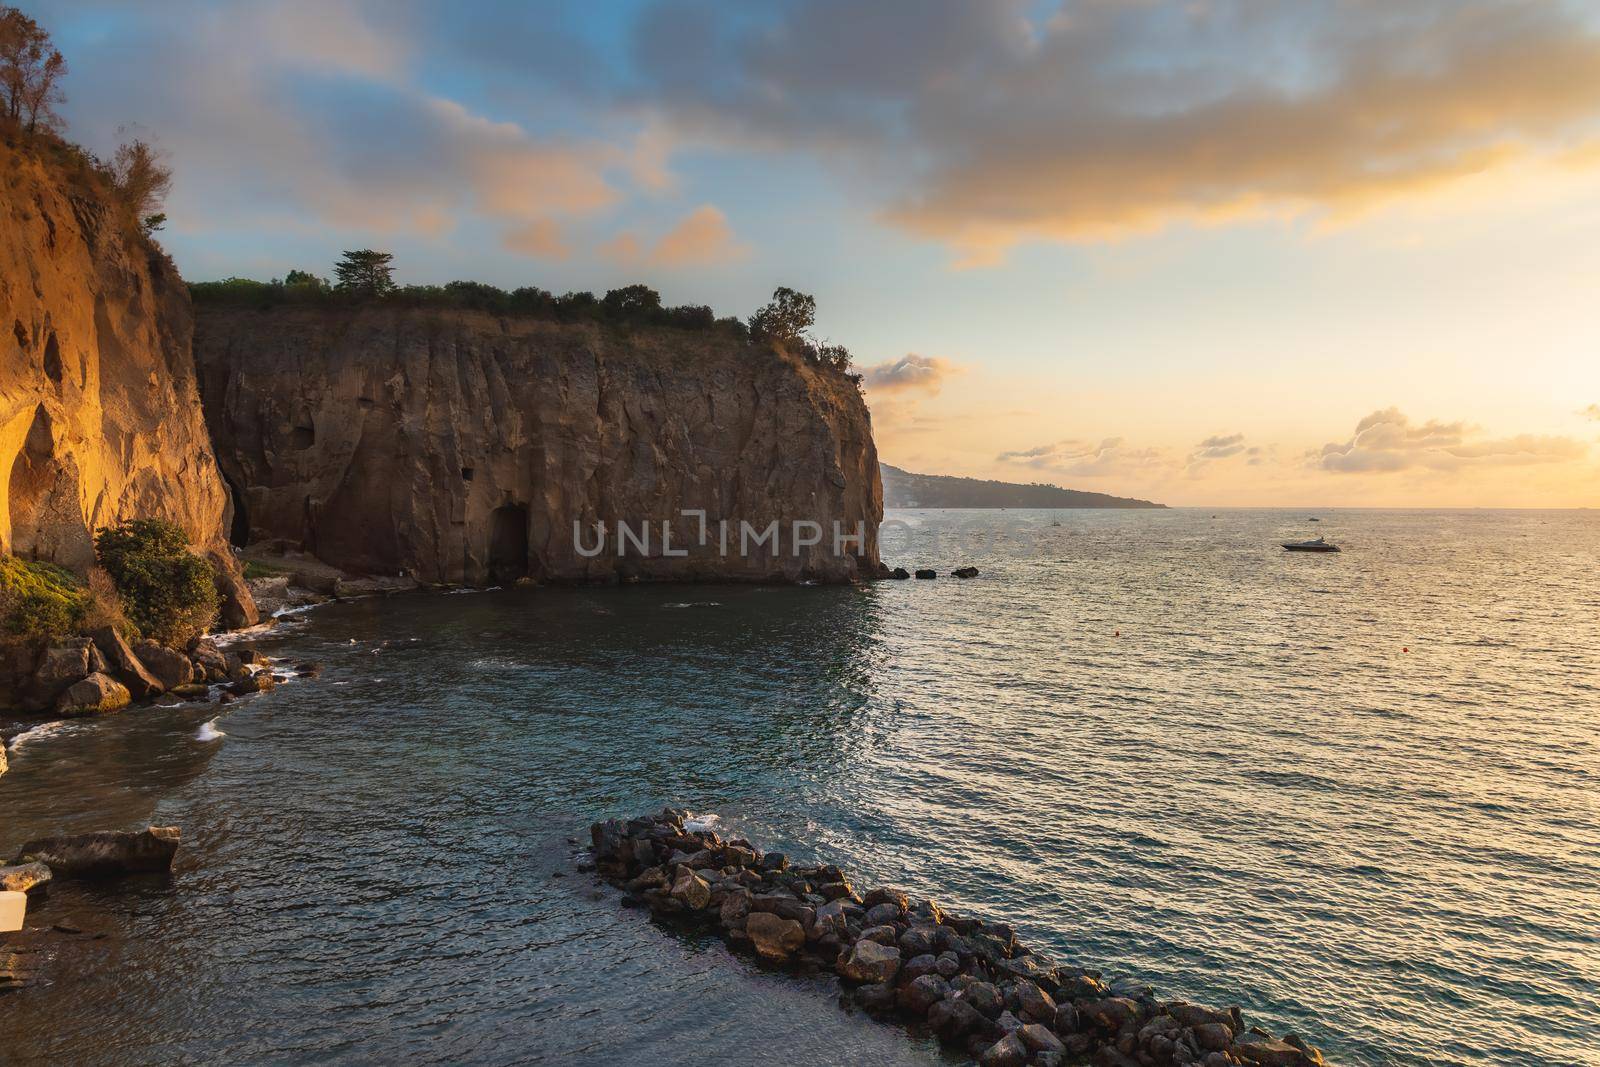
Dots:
pixel 209 732
pixel 699 824
pixel 43 730
pixel 694 604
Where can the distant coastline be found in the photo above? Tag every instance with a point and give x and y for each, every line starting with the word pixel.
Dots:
pixel 903 489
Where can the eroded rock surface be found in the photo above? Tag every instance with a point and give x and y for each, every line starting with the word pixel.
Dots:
pixel 99 415
pixel 462 447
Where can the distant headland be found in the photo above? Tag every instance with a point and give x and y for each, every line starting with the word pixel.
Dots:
pixel 902 489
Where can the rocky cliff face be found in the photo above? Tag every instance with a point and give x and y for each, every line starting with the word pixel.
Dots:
pixel 99 416
pixel 463 447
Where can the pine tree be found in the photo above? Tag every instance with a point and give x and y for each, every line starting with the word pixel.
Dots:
pixel 366 272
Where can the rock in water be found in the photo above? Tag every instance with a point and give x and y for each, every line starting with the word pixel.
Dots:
pixel 104 853
pixel 125 665
pixel 1009 1051
pixel 868 961
pixel 171 668
pixel 964 572
pixel 95 695
pixel 24 878
pixel 774 937
pixel 927 573
pixel 533 426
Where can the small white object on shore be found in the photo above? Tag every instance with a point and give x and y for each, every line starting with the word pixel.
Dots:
pixel 13 906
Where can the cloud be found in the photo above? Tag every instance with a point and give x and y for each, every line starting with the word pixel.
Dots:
pixel 910 372
pixel 1111 456
pixel 1215 448
pixel 989 125
pixel 1592 412
pixel 702 238
pixel 1387 441
pixel 308 116
pixel 540 239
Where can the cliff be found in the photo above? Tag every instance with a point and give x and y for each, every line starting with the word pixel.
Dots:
pixel 902 489
pixel 99 414
pixel 460 446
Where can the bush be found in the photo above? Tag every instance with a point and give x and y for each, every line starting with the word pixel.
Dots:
pixel 39 602
pixel 632 305
pixel 168 592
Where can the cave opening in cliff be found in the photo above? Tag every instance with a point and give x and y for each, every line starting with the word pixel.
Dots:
pixel 33 477
pixel 52 359
pixel 239 517
pixel 508 543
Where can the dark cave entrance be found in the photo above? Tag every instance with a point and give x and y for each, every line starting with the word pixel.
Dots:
pixel 508 543
pixel 32 481
pixel 239 515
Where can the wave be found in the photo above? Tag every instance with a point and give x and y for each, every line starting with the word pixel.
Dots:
pixel 208 731
pixel 699 824
pixel 694 604
pixel 48 729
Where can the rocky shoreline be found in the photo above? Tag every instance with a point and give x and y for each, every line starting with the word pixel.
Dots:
pixel 966 980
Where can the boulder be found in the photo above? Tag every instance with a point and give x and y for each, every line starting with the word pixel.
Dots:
pixel 209 658
pixel 237 609
pixel 868 961
pixel 125 665
pixel 254 682
pixel 104 853
pixel 1271 1052
pixel 1040 1039
pixel 900 574
pixel 171 668
pixel 986 998
pixel 927 573
pixel 689 889
pixel 774 937
pixel 923 993
pixel 58 667
pixel 883 935
pixel 1009 1051
pixel 953 1019
pixel 24 878
pixel 876 998
pixel 1035 1004
pixel 965 572
pixel 93 695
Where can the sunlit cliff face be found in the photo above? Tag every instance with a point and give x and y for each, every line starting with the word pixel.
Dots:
pixel 1217 252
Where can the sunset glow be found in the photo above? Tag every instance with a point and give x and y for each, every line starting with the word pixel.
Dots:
pixel 1215 253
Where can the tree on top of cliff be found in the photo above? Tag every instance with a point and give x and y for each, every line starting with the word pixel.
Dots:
pixel 30 72
pixel 142 180
pixel 786 319
pixel 632 300
pixel 366 272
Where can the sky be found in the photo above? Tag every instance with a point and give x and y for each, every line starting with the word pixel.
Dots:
pixel 1252 253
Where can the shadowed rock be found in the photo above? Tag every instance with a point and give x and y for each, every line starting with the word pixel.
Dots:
pixel 104 853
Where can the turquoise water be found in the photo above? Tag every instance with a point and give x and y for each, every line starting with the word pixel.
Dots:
pixel 1355 794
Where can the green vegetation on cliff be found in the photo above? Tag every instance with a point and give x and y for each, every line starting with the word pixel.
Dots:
pixel 39 601
pixel 169 592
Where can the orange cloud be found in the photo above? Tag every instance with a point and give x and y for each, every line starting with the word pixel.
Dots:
pixel 1388 441
pixel 702 238
pixel 910 372
pixel 540 239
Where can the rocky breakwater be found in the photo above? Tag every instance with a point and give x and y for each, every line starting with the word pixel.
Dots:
pixel 464 447
pixel 103 673
pixel 100 417
pixel 971 982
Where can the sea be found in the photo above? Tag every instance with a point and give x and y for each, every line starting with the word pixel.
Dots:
pixel 1356 794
